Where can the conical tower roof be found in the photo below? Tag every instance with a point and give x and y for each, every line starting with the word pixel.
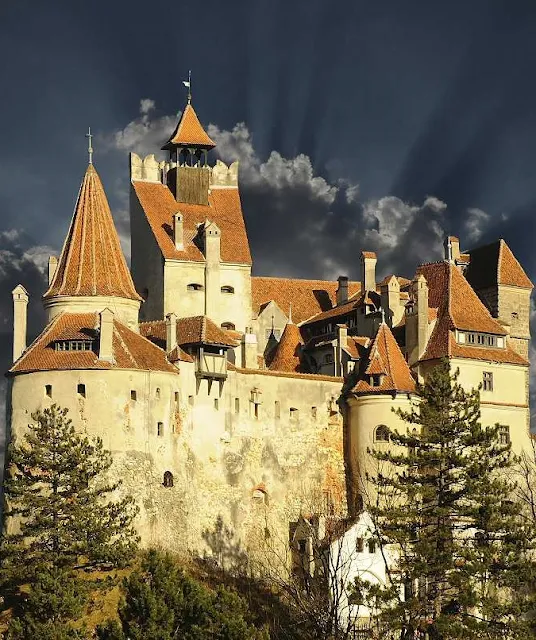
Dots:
pixel 189 132
pixel 92 262
pixel 286 355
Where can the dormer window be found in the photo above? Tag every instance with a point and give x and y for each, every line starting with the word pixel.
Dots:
pixel 228 325
pixel 481 339
pixel 73 345
pixel 194 286
pixel 376 379
pixel 227 289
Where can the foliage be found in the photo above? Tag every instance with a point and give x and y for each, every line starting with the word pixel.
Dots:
pixel 61 520
pixel 161 602
pixel 447 510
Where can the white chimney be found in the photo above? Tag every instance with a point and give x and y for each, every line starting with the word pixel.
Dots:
pixel 342 290
pixel 249 350
pixel 171 331
pixel 178 231
pixel 106 332
pixel 52 266
pixel 368 270
pixel 20 320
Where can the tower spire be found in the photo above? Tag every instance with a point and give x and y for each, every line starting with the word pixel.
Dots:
pixel 89 135
pixel 188 84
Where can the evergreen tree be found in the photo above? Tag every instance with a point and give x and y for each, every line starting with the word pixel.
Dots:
pixel 161 602
pixel 446 510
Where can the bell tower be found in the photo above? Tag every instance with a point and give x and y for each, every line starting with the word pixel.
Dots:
pixel 188 176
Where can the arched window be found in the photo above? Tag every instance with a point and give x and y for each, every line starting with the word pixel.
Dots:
pixel 228 325
pixel 227 289
pixel 168 479
pixel 381 434
pixel 194 286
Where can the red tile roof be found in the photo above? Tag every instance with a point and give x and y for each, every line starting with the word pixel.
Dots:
pixel 307 297
pixel 92 262
pixel 384 357
pixel 286 355
pixel 193 330
pixel 368 254
pixel 496 264
pixel 224 209
pixel 357 346
pixel 189 132
pixel 130 350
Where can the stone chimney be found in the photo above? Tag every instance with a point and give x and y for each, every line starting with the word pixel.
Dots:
pixel 212 243
pixel 178 231
pixel 171 331
pixel 52 266
pixel 106 334
pixel 417 321
pixel 342 343
pixel 390 301
pixel 342 290
pixel 368 270
pixel 249 350
pixel 452 248
pixel 20 320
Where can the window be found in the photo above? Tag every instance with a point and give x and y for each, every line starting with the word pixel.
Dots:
pixel 227 289
pixel 216 404
pixel 376 380
pixel 487 381
pixel 328 358
pixel 294 413
pixel 256 410
pixel 81 390
pixel 168 479
pixel 191 401
pixel 133 395
pixel 177 397
pixel 276 332
pixel 48 390
pixel 504 434
pixel 480 339
pixel 73 345
pixel 157 393
pixel 237 405
pixel 277 410
pixel 381 433
pixel 228 325
pixel 515 315
pixel 160 429
pixel 359 545
pixel 371 545
pixel 194 286
pixel 314 413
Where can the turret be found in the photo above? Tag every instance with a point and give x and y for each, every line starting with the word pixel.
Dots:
pixel 417 320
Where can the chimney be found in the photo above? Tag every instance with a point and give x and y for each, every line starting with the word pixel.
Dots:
pixel 171 331
pixel 390 300
pixel 20 320
pixel 106 332
pixel 52 266
pixel 249 350
pixel 368 270
pixel 342 290
pixel 342 343
pixel 452 248
pixel 212 241
pixel 178 231
pixel 417 322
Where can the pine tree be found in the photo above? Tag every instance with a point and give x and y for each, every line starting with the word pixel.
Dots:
pixel 161 602
pixel 60 516
pixel 446 509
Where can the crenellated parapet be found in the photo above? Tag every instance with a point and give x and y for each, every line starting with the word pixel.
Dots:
pixel 223 175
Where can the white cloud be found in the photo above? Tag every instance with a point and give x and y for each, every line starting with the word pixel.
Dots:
pixel 475 224
pixel 146 105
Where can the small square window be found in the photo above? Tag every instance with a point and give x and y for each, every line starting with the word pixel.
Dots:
pixel 157 393
pixel 359 545
pixel 504 434
pixel 160 429
pixel 487 381
pixel 216 404
pixel 177 397
pixel 133 395
pixel 256 410
pixel 314 413
pixel 277 410
pixel 237 405
pixel 191 401
pixel 294 413
pixel 371 545
pixel 81 390
pixel 48 390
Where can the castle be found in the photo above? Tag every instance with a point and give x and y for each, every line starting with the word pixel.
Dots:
pixel 227 397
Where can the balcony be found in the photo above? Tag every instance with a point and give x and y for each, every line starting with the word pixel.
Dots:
pixel 211 365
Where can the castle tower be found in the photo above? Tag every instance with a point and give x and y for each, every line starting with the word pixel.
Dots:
pixel 189 175
pixel 91 273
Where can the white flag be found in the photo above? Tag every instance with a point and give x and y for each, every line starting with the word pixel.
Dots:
pixel 186 83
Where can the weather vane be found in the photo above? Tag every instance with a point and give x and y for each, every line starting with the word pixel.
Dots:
pixel 188 85
pixel 89 135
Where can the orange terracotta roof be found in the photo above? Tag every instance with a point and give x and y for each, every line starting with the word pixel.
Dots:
pixel 496 264
pixel 92 262
pixel 307 297
pixel 286 354
pixel 130 350
pixel 189 132
pixel 447 286
pixel 368 254
pixel 193 330
pixel 177 354
pixel 384 357
pixel 356 301
pixel 357 346
pixel 224 209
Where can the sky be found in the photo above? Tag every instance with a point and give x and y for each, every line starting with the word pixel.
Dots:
pixel 358 125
